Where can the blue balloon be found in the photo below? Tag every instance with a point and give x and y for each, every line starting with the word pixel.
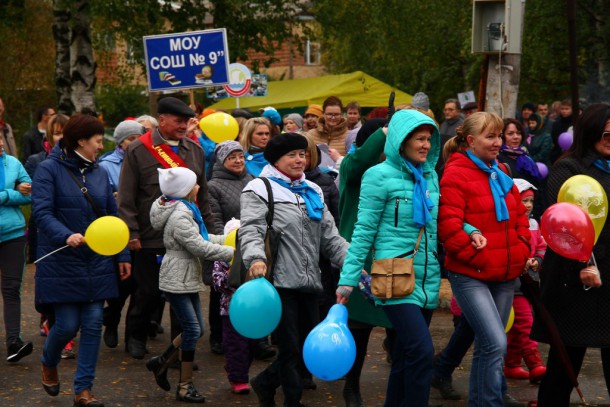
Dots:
pixel 329 350
pixel 255 309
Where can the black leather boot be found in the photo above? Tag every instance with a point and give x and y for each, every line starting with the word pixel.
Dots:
pixel 351 394
pixel 159 364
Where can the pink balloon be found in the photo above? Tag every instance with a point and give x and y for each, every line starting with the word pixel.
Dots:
pixel 565 140
pixel 543 170
pixel 568 230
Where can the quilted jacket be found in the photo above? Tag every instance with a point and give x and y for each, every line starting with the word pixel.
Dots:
pixel 385 215
pixel 180 271
pixel 225 189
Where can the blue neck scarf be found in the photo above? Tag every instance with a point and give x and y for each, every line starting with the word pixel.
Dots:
pixel 2 180
pixel 313 203
pixel 499 182
pixel 422 204
pixel 203 231
pixel 255 163
pixel 600 163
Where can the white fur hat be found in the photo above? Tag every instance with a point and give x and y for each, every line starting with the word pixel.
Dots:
pixel 176 182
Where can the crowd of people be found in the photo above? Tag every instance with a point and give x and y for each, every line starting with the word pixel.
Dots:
pixel 461 199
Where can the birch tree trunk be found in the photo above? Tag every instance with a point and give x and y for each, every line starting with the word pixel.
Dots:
pixel 82 62
pixel 61 35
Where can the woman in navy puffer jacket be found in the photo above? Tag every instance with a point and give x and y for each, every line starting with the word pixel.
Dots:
pixel 74 281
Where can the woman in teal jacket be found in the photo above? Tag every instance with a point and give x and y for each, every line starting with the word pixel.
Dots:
pixel 399 197
pixel 15 190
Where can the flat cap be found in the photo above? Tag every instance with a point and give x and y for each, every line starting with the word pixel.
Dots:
pixel 171 105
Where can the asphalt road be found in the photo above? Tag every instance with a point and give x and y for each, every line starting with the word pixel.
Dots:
pixel 123 381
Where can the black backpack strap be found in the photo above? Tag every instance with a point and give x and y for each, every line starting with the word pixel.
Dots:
pixel 270 203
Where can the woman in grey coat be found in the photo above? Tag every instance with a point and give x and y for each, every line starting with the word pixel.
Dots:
pixel 306 228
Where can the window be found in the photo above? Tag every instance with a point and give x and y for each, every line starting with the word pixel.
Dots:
pixel 312 53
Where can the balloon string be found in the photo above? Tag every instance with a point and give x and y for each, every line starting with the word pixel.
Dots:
pixel 48 254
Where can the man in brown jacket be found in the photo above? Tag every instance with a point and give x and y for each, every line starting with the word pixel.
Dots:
pixel 165 146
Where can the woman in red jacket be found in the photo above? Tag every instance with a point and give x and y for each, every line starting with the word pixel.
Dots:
pixel 475 191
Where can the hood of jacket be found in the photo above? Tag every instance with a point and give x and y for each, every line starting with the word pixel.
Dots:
pixel 404 122
pixel 159 214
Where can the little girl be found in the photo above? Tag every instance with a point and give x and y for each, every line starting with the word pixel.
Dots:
pixel 186 240
pixel 519 343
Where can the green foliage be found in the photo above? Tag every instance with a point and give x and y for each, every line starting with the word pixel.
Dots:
pixel 116 103
pixel 415 46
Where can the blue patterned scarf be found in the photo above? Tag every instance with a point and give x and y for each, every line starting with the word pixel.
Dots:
pixel 203 231
pixel 422 204
pixel 313 203
pixel 499 182
pixel 255 163
pixel 525 163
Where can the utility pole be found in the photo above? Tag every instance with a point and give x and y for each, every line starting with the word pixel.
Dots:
pixel 497 29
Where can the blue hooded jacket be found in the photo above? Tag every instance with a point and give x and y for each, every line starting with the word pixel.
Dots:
pixel 12 222
pixel 73 275
pixel 385 214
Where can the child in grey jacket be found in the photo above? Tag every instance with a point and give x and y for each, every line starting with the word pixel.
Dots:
pixel 186 240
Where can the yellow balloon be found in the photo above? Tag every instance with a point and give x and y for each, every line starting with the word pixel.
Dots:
pixel 230 240
pixel 511 320
pixel 219 127
pixel 107 235
pixel 589 195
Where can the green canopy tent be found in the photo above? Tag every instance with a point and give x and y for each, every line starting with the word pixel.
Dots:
pixel 297 94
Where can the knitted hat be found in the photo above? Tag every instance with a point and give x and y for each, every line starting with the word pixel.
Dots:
pixel 127 128
pixel 224 149
pixel 231 226
pixel 420 100
pixel 369 127
pixel 315 110
pixel 523 185
pixel 176 182
pixel 296 118
pixel 283 144
pixel 273 115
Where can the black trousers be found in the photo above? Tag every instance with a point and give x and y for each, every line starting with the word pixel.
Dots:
pixel 12 265
pixel 146 296
pixel 299 313
pixel 556 388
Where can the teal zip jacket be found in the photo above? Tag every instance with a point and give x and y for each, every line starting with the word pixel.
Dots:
pixel 12 222
pixel 385 215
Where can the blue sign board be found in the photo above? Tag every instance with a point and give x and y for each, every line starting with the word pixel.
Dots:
pixel 187 60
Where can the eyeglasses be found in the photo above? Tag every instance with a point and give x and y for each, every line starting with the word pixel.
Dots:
pixel 606 136
pixel 332 115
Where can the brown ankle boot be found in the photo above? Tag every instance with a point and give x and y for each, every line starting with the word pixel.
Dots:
pixel 85 398
pixel 50 380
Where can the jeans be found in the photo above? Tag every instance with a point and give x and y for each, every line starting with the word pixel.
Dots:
pixel 411 373
pixel 69 318
pixel 486 306
pixel 187 308
pixel 12 253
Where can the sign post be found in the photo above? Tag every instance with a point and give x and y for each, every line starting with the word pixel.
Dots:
pixel 187 60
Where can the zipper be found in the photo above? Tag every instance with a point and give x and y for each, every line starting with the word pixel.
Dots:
pixel 508 251
pixel 396 212
pixel 423 282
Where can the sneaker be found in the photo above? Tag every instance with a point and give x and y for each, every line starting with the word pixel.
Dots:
pixel 17 350
pixel 68 351
pixel 240 388
pixel 445 387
